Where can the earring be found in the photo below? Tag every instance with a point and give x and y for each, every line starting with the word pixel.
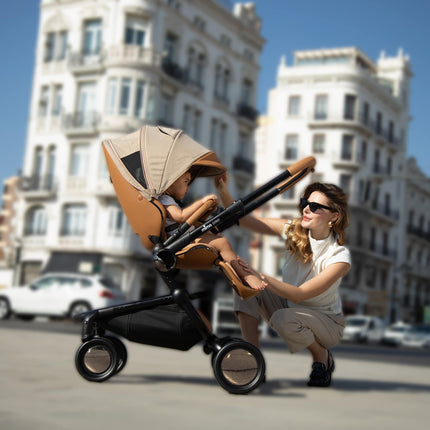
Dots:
pixel 330 224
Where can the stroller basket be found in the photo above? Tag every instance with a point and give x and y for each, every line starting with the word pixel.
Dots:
pixel 142 166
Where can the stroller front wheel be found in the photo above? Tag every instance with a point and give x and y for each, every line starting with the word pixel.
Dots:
pixel 121 351
pixel 97 359
pixel 239 366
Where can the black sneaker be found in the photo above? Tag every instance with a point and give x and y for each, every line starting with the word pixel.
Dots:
pixel 321 374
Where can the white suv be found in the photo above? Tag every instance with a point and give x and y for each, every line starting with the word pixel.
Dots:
pixel 59 295
pixel 363 328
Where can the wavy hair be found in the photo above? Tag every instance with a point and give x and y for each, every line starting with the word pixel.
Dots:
pixel 298 242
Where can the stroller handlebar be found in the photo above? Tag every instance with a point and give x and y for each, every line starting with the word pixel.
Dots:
pixel 164 254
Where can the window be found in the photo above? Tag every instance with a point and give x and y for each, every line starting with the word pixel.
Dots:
pixel 135 32
pixel 51 167
pixel 246 92
pixel 391 132
pixel 116 220
pixel 170 47
pixel 196 64
pixel 79 160
pixel 44 101
pixel 222 82
pixel 74 220
pixel 318 145
pixel 86 104
pixel 218 138
pixel 166 109
pixel 57 100
pixel 366 113
pixel 55 46
pixel 349 110
pixel 347 147
pixel 35 223
pixel 376 161
pixel 125 96
pixel 37 163
pixel 92 37
pixel 363 152
pixel 321 107
pixel 291 147
pixel 294 105
pixel 139 102
pixel 379 123
pixel 345 183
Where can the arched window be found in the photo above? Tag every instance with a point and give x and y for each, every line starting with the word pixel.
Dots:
pixel 35 222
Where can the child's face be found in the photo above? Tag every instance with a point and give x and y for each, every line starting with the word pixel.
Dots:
pixel 179 188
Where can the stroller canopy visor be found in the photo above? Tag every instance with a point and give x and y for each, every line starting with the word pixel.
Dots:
pixel 153 157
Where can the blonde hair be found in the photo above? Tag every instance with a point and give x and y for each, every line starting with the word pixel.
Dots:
pixel 298 242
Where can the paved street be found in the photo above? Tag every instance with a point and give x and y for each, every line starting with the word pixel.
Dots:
pixel 167 389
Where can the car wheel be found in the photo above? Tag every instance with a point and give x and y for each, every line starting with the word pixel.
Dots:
pixel 78 308
pixel 4 308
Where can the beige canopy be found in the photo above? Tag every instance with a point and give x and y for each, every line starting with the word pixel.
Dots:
pixel 153 157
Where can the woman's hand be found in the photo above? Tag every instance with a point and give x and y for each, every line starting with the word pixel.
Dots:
pixel 221 181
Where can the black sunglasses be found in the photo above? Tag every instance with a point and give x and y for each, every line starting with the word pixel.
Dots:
pixel 313 206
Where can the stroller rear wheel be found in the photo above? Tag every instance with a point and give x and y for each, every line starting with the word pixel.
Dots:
pixel 239 366
pixel 97 359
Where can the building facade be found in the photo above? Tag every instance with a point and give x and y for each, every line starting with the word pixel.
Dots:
pixel 102 70
pixel 352 114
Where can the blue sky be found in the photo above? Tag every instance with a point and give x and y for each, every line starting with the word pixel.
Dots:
pixel 371 25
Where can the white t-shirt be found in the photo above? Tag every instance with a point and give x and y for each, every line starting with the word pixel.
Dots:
pixel 325 252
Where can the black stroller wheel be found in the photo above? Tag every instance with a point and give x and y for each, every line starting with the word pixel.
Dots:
pixel 239 366
pixel 121 351
pixel 97 359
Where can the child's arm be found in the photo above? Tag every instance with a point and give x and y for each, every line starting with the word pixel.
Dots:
pixel 181 215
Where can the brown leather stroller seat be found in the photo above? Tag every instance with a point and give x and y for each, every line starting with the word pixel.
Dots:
pixel 142 166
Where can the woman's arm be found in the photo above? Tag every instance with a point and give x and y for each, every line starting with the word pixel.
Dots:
pixel 309 289
pixel 271 226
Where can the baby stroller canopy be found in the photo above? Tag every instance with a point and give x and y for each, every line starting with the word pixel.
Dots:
pixel 154 157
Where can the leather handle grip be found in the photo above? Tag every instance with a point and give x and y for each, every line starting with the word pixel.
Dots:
pixel 298 171
pixel 207 206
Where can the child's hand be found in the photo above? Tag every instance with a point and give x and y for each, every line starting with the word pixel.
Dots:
pixel 213 197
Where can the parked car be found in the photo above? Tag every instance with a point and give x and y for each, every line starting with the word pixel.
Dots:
pixel 417 336
pixel 59 295
pixel 363 328
pixel 394 334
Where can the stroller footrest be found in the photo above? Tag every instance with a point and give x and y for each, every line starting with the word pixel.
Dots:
pixel 242 290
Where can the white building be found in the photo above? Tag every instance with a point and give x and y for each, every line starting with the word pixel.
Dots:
pixel 352 114
pixel 102 70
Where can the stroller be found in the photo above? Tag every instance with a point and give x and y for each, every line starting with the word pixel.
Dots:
pixel 142 165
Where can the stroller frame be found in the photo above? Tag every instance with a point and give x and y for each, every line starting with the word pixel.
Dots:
pixel 239 366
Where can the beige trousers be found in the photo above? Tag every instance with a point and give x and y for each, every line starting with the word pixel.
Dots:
pixel 299 327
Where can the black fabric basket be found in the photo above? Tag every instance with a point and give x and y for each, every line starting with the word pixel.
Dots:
pixel 167 326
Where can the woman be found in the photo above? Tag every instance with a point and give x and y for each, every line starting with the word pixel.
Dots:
pixel 305 307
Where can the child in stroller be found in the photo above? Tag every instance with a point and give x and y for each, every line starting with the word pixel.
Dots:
pixel 176 215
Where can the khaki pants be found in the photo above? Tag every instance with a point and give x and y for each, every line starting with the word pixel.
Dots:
pixel 298 326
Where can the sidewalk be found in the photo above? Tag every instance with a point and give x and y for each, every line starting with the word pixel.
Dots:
pixel 168 389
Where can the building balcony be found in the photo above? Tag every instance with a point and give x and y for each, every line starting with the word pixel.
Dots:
pixel 132 55
pixel 80 63
pixel 79 123
pixel 173 70
pixel 38 186
pixel 418 232
pixel 345 163
pixel 247 112
pixel 360 123
pixel 243 164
